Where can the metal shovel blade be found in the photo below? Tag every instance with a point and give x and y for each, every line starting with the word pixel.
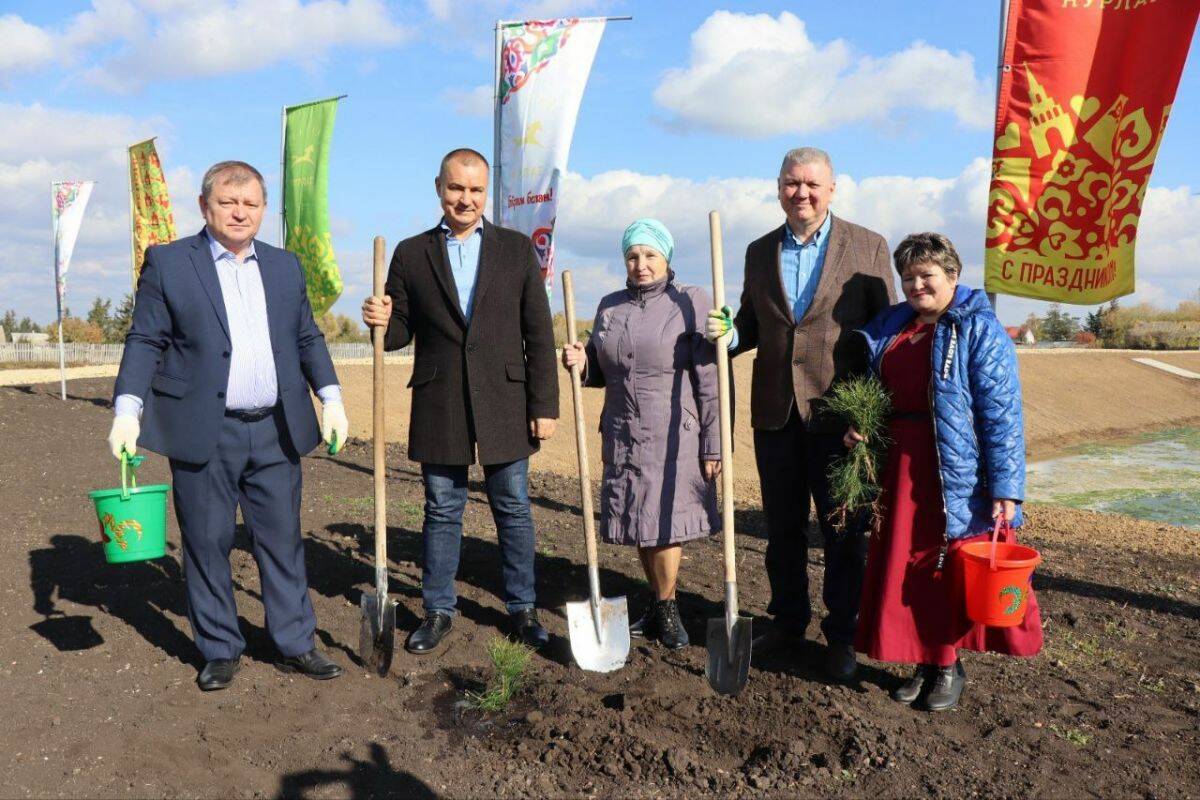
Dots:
pixel 376 634
pixel 608 650
pixel 728 655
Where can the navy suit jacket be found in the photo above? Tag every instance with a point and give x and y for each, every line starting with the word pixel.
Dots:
pixel 177 350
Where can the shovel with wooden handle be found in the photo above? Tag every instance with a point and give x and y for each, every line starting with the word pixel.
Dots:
pixel 729 636
pixel 377 631
pixel 599 626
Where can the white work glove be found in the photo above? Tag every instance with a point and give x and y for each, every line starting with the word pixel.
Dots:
pixel 124 434
pixel 719 324
pixel 334 424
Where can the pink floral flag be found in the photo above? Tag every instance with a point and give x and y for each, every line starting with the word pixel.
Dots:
pixel 544 67
pixel 68 200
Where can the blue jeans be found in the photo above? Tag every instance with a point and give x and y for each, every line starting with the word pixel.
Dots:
pixel 445 499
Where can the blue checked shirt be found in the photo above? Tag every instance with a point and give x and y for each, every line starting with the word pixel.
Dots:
pixel 253 383
pixel 464 264
pixel 800 265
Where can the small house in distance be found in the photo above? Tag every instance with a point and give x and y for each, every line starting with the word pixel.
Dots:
pixel 1021 334
pixel 31 338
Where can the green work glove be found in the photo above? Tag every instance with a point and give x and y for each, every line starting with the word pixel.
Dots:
pixel 334 425
pixel 719 324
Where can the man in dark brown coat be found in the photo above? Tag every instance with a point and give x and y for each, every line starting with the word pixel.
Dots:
pixel 808 285
pixel 470 295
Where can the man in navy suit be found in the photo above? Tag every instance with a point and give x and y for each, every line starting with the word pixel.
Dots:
pixel 216 375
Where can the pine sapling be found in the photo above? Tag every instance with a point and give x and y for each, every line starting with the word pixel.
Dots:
pixel 854 478
pixel 510 661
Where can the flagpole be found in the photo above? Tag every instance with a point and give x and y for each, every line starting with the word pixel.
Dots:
pixel 282 155
pixel 62 359
pixel 1003 41
pixel 132 216
pixel 500 24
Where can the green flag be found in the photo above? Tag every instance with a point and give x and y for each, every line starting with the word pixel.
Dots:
pixel 308 132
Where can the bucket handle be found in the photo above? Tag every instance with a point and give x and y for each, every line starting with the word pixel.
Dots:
pixel 1001 523
pixel 129 465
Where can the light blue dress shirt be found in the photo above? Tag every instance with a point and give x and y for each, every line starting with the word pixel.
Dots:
pixel 800 266
pixel 253 383
pixel 464 264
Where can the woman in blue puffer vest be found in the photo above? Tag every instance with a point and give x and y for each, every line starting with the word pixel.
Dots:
pixel 955 465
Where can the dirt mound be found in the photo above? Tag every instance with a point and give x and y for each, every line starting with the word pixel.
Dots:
pixel 98 669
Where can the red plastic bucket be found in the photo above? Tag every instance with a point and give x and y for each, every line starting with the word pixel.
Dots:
pixel 996 578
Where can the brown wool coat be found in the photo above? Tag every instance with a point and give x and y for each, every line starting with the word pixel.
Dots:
pixel 798 360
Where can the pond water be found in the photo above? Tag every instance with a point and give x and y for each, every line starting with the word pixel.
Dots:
pixel 1153 477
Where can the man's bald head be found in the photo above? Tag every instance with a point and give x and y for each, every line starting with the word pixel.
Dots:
pixel 463 155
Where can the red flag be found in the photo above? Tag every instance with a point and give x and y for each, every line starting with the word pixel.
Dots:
pixel 1084 98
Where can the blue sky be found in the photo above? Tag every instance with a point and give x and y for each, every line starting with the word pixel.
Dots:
pixel 82 80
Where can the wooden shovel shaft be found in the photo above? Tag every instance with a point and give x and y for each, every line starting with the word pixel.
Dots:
pixel 718 276
pixel 378 438
pixel 585 477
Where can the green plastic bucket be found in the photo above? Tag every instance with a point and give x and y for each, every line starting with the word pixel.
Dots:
pixel 133 519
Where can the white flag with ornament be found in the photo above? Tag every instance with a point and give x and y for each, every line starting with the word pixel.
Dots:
pixel 544 68
pixel 69 199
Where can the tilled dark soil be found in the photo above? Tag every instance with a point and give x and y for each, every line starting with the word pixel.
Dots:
pixel 97 667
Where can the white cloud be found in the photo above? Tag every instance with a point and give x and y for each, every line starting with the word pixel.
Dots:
pixel 25 46
pixel 446 10
pixel 477 102
pixel 594 212
pixel 107 21
pixel 211 39
pixel 1168 251
pixel 441 10
pixel 39 144
pixel 759 76
pixel 123 43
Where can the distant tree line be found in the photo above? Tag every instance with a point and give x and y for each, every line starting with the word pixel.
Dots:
pixel 1142 326
pixel 104 324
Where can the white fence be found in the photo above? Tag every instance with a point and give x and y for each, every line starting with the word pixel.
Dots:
pixel 79 353
pixel 76 353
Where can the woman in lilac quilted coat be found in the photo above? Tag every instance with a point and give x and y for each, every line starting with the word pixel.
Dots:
pixel 660 439
pixel 956 463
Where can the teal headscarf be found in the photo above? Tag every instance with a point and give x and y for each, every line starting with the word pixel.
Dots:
pixel 649 232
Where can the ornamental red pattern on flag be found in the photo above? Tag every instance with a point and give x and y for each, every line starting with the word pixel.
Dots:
pixel 1085 93
pixel 150 203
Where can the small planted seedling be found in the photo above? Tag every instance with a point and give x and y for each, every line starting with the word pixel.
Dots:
pixel 510 662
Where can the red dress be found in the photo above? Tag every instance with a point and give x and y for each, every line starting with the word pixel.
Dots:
pixel 910 613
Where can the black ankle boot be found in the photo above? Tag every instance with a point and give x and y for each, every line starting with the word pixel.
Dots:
pixel 644 627
pixel 910 690
pixel 670 627
pixel 948 683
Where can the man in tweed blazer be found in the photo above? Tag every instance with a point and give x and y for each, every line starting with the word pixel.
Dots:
pixel 808 285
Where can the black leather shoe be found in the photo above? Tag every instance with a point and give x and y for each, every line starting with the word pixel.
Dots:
pixel 218 674
pixel 841 663
pixel 777 641
pixel 314 664
pixel 527 630
pixel 948 683
pixel 671 634
pixel 643 627
pixel 911 689
pixel 429 635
